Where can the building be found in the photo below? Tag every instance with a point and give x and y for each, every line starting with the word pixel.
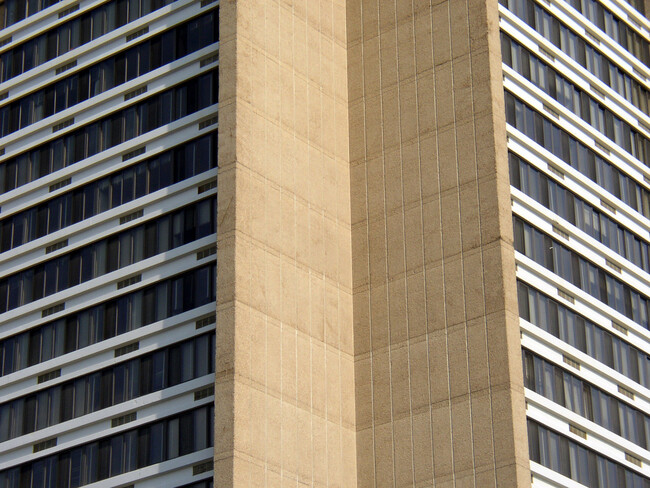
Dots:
pixel 377 159
pixel 580 206
pixel 432 228
pixel 108 230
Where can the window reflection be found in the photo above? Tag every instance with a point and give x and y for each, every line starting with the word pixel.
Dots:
pixel 572 97
pixel 574 153
pixel 108 387
pixel 566 389
pixel 578 462
pixel 106 133
pixel 572 267
pixel 117 454
pixel 582 52
pixel 98 323
pixel 580 213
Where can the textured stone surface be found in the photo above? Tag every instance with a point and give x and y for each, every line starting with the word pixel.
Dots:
pixel 439 394
pixel 285 365
pixel 366 304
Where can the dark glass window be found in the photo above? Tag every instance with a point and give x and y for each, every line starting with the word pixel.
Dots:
pixel 581 273
pixel 579 462
pixel 573 98
pixel 119 383
pixel 114 455
pixel 583 398
pixel 102 257
pixel 100 135
pixel 208 483
pixel 12 11
pixel 616 28
pixel 580 213
pixel 574 329
pixel 583 52
pixel 580 157
pixel 61 39
pixel 89 326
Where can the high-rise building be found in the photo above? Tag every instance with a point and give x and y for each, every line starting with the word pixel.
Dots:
pixel 432 243
pixel 108 194
pixel 374 306
pixel 576 79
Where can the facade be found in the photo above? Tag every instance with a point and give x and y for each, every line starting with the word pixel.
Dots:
pixel 579 72
pixel 377 337
pixel 432 228
pixel 108 230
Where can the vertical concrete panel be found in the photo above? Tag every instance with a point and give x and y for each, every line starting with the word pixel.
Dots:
pixel 284 235
pixel 366 304
pixel 436 336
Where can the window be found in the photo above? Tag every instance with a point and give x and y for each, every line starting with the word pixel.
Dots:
pixel 570 96
pixel 580 157
pixel 114 455
pixel 610 291
pixel 551 316
pixel 208 483
pixel 578 49
pixel 580 213
pixel 95 79
pixel 59 40
pixel 561 454
pixel 101 135
pixel 615 28
pixel 87 327
pixel 585 399
pixel 117 384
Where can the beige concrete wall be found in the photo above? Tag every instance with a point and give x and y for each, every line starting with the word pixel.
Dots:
pixel 439 394
pixel 284 378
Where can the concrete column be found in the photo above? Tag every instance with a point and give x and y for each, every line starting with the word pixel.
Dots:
pixel 284 378
pixel 439 389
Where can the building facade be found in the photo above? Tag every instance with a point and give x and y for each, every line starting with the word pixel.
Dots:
pixel 579 72
pixel 108 197
pixel 490 331
pixel 432 229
